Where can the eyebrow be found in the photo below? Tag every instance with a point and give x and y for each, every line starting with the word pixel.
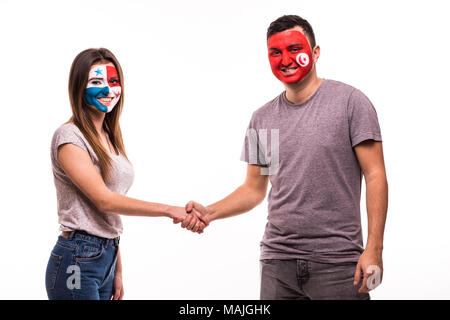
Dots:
pixel 96 78
pixel 290 46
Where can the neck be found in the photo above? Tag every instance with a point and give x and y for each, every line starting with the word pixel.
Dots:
pixel 299 92
pixel 97 118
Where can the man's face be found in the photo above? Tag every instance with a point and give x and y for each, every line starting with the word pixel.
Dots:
pixel 103 89
pixel 289 55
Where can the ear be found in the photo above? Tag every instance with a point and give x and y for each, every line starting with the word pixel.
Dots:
pixel 316 53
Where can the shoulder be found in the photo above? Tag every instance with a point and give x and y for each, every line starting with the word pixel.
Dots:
pixel 339 87
pixel 267 109
pixel 68 133
pixel 68 129
pixel 352 95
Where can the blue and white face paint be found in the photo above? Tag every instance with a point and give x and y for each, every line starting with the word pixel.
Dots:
pixel 103 89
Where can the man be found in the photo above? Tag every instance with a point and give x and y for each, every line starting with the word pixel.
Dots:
pixel 312 142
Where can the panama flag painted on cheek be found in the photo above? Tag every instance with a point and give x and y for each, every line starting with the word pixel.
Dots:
pixel 103 89
pixel 289 55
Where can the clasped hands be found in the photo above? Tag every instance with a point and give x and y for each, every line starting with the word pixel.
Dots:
pixel 193 217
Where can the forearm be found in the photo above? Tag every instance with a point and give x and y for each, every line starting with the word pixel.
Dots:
pixel 243 199
pixel 118 270
pixel 120 204
pixel 377 204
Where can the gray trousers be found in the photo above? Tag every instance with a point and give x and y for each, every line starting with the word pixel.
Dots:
pixel 307 280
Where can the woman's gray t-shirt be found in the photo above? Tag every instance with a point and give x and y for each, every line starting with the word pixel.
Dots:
pixel 75 210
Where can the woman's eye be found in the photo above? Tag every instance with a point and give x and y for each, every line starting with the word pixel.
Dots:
pixel 96 82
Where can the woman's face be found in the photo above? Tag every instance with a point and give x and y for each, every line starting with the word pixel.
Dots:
pixel 103 89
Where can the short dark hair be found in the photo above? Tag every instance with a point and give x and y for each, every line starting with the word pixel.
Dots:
pixel 288 22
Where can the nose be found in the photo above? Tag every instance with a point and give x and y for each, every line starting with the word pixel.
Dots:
pixel 105 91
pixel 286 60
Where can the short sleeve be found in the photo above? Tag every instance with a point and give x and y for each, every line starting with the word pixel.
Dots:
pixel 254 148
pixel 363 120
pixel 66 134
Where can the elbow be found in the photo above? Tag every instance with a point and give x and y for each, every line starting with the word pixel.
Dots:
pixel 258 197
pixel 105 203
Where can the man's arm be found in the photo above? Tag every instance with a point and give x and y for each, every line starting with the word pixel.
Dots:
pixel 118 285
pixel 371 161
pixel 251 193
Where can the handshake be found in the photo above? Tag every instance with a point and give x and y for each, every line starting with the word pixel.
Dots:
pixel 193 216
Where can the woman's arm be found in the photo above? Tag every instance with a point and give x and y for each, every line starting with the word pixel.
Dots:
pixel 78 166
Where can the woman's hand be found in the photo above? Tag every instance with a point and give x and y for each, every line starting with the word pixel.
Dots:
pixel 118 287
pixel 178 214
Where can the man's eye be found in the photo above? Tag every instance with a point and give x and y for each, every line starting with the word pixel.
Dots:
pixel 295 50
pixel 275 53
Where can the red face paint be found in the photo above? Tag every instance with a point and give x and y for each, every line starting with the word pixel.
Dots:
pixel 289 55
pixel 112 76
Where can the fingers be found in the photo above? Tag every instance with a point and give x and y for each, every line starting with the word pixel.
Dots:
pixel 187 220
pixel 196 226
pixel 202 226
pixel 202 217
pixel 357 277
pixel 116 294
pixel 193 222
pixel 177 220
pixel 363 288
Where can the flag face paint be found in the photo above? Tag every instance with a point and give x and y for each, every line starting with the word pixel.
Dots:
pixel 103 89
pixel 289 55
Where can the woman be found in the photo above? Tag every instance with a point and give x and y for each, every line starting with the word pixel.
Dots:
pixel 92 174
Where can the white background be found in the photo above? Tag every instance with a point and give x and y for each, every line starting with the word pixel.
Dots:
pixel 194 73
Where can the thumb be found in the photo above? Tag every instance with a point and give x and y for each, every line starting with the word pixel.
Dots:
pixel 357 276
pixel 189 206
pixel 177 220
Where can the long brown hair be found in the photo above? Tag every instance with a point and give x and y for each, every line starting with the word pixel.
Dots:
pixel 78 80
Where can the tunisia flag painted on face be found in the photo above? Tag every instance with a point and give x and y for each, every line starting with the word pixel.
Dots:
pixel 289 55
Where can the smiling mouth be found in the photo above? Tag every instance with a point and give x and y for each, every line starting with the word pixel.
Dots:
pixel 104 100
pixel 289 71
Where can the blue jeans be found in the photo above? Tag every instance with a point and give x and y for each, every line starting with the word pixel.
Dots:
pixel 81 267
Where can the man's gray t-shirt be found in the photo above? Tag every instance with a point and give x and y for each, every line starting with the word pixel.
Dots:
pixel 75 210
pixel 314 201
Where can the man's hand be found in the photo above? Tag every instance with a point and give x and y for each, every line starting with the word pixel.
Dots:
pixel 200 211
pixel 189 219
pixel 370 263
pixel 118 288
pixel 197 218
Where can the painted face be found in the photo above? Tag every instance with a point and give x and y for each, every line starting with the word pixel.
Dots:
pixel 289 55
pixel 103 89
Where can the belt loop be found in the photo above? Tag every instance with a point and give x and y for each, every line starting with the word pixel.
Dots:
pixel 71 234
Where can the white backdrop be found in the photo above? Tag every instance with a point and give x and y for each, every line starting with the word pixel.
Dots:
pixel 194 72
